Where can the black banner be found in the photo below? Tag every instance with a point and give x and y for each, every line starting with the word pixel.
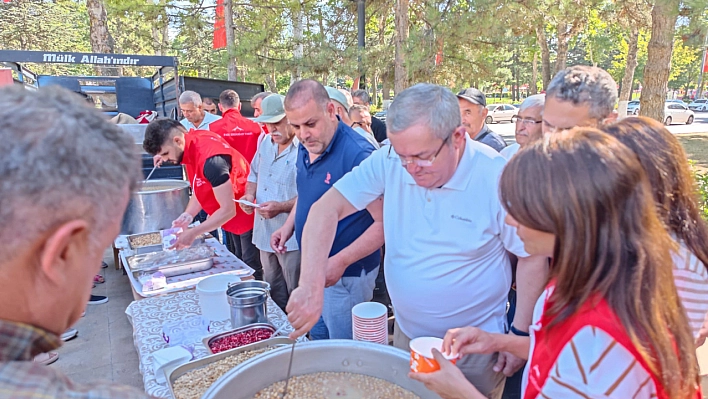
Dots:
pixel 56 57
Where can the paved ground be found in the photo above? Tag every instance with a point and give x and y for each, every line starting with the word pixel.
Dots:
pixel 104 348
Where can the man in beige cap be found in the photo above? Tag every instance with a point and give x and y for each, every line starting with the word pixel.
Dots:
pixel 271 183
pixel 341 108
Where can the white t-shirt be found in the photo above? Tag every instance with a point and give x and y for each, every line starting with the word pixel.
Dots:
pixel 591 365
pixel 446 261
pixel 208 119
pixel 509 151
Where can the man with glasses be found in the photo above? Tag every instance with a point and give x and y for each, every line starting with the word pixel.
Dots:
pixel 328 150
pixel 528 124
pixel 579 96
pixel 446 240
pixel 473 110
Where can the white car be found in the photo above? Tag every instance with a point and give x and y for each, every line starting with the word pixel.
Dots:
pixel 500 112
pixel 677 113
pixel 699 105
pixel 633 107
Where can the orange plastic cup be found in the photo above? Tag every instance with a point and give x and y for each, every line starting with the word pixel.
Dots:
pixel 422 360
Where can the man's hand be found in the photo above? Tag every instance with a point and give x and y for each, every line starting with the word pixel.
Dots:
pixel 183 221
pixel 246 208
pixel 185 239
pixel 304 310
pixel 270 209
pixel 157 160
pixel 508 364
pixel 279 238
pixel 468 340
pixel 448 382
pixel 335 270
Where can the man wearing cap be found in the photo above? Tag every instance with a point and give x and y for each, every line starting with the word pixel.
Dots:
pixel 473 110
pixel 272 185
pixel 341 107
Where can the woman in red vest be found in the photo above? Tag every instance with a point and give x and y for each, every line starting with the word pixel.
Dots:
pixel 610 323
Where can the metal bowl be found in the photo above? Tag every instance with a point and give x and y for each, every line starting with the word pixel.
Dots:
pixel 375 360
pixel 154 206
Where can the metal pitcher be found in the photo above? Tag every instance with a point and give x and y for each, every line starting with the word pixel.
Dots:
pixel 248 301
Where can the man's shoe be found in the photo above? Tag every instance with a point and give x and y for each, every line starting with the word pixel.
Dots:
pixel 69 334
pixel 97 300
pixel 46 358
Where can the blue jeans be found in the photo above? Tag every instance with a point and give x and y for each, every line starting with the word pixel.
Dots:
pixel 339 299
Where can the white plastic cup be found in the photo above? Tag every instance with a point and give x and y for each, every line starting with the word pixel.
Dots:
pixel 212 296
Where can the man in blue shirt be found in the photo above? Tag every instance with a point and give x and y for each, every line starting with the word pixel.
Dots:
pixel 328 150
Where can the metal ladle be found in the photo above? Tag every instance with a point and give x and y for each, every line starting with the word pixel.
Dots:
pixel 151 172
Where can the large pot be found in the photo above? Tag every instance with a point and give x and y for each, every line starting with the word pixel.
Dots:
pixel 376 360
pixel 155 205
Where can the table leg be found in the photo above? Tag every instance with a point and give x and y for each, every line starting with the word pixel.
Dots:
pixel 116 258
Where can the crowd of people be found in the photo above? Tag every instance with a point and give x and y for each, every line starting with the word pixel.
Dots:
pixel 572 263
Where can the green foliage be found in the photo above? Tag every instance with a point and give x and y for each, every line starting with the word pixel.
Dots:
pixel 702 182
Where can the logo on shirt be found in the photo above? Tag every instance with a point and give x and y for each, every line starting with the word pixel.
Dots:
pixel 328 178
pixel 198 182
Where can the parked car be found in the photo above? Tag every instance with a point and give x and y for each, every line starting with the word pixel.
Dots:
pixel 500 112
pixel 677 101
pixel 699 105
pixel 633 107
pixel 677 113
pixel 381 115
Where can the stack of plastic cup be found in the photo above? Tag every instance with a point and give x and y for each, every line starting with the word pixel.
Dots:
pixel 370 322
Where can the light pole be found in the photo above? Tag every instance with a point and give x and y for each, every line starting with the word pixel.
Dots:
pixel 703 68
pixel 361 33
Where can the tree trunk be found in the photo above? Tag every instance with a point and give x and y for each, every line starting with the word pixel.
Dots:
pixel 545 55
pixel 298 28
pixel 656 71
pixel 101 40
pixel 628 79
pixel 375 84
pixel 386 85
pixel 400 79
pixel 231 67
pixel 533 85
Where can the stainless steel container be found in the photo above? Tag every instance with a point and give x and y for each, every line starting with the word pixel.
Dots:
pixel 375 360
pixel 155 205
pixel 207 341
pixel 248 303
pixel 171 269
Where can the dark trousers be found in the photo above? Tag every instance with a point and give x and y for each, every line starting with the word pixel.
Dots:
pixel 242 246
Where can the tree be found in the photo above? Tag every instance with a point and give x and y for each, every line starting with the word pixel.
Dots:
pixel 101 40
pixel 658 67
pixel 231 67
pixel 400 78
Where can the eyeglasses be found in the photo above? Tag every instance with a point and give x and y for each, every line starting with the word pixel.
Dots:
pixel 524 121
pixel 423 163
pixel 360 124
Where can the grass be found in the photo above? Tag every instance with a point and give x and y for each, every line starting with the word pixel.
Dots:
pixel 696 146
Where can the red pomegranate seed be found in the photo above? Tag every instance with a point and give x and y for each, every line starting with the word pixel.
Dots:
pixel 239 339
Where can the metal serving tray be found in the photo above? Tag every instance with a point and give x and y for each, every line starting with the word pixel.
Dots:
pixel 208 339
pixel 146 248
pixel 199 363
pixel 173 269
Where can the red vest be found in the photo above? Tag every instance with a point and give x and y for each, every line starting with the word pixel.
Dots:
pixel 550 342
pixel 241 133
pixel 201 145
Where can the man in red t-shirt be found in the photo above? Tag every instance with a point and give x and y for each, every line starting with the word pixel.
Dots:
pixel 241 133
pixel 218 175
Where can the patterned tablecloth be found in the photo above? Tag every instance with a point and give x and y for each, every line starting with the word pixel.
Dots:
pixel 224 262
pixel 148 316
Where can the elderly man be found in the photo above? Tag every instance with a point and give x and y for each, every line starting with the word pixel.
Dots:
pixel 328 150
pixel 446 264
pixel 360 117
pixel 341 107
pixel 528 124
pixel 473 110
pixel 209 105
pixel 195 118
pixel 361 97
pixel 579 96
pixel 272 184
pixel 55 240
pixel 256 102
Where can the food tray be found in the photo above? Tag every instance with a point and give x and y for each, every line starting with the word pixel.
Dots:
pixel 199 363
pixel 144 249
pixel 173 269
pixel 207 340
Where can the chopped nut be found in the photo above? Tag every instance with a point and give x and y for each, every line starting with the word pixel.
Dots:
pixel 329 385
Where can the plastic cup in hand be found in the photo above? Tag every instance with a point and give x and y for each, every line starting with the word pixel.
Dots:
pixel 422 360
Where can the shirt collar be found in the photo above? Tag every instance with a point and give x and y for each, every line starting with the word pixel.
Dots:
pixel 22 342
pixel 229 111
pixel 294 144
pixel 189 139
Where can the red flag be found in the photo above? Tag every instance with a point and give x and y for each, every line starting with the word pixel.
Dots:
pixel 355 84
pixel 219 26
pixel 705 62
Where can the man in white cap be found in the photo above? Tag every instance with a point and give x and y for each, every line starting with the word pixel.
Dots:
pixel 341 108
pixel 272 184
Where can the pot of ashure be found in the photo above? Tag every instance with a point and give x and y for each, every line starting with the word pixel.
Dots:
pixel 154 205
pixel 351 358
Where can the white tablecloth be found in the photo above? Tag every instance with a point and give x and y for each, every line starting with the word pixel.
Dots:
pixel 147 317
